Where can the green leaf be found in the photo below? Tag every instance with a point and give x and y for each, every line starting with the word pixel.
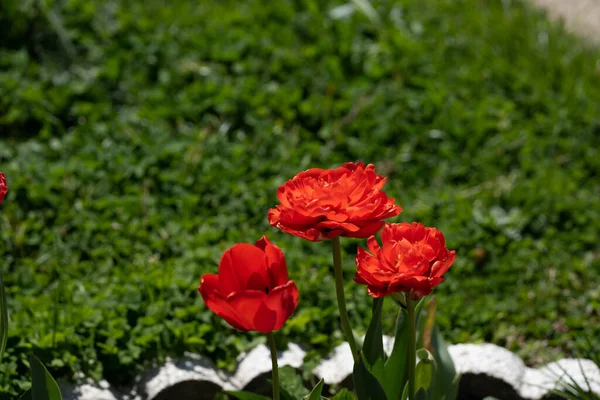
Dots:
pixel 3 319
pixel 315 394
pixel 421 394
pixel 26 395
pixel 395 371
pixel 421 325
pixel 425 370
pixel 344 394
pixel 453 394
pixel 43 385
pixel 405 392
pixel 395 374
pixel 247 396
pixel 286 395
pixel 367 387
pixel 291 382
pixel 373 344
pixel 446 372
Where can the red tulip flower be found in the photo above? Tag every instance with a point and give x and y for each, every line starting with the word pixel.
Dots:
pixel 322 204
pixel 3 187
pixel 411 259
pixel 252 290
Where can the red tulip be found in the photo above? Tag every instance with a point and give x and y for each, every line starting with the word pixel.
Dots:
pixel 252 290
pixel 3 187
pixel 322 204
pixel 412 258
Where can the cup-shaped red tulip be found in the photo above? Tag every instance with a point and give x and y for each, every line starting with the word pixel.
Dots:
pixel 411 259
pixel 252 290
pixel 322 204
pixel 3 187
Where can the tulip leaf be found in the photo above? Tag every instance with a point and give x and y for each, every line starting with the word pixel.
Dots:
pixel 421 394
pixel 247 396
pixel 396 365
pixel 43 385
pixel 422 325
pixel 343 394
pixel 425 371
pixel 395 373
pixel 405 392
pixel 3 318
pixel 446 371
pixel 453 393
pixel 315 394
pixel 373 344
pixel 367 387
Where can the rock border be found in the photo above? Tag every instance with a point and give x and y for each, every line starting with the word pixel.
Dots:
pixel 487 370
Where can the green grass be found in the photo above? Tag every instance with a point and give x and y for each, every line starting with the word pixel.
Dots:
pixel 143 138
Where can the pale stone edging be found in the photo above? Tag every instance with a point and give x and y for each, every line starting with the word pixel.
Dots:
pixel 488 370
pixel 580 16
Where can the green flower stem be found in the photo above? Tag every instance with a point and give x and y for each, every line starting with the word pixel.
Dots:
pixel 341 300
pixel 412 344
pixel 271 341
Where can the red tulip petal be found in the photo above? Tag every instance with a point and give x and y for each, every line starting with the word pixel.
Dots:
pixel 277 267
pixel 337 217
pixel 331 234
pixel 387 233
pixel 376 292
pixel 307 233
pixel 265 319
pixel 364 259
pixel 209 283
pixel 419 284
pixel 373 245
pixel 246 304
pixel 299 218
pixel 243 266
pixel 326 200
pixel 3 186
pixel 345 226
pixel 439 268
pixel 418 232
pixel 367 231
pixel 283 300
pixel 274 216
pixel 208 289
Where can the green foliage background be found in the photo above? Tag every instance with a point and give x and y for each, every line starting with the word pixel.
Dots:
pixel 143 138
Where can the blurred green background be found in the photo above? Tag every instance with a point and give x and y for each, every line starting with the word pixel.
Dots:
pixel 141 139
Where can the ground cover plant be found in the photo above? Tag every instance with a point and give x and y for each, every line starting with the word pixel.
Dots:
pixel 142 139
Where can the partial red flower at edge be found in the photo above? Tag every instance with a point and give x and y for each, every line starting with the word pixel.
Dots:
pixel 322 204
pixel 411 258
pixel 252 290
pixel 3 187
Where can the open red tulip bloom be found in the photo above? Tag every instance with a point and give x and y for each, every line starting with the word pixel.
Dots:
pixel 412 258
pixel 3 186
pixel 322 204
pixel 252 290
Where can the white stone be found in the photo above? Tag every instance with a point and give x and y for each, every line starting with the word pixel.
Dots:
pixel 479 361
pixel 339 364
pixel 538 382
pixel 88 391
pixel 190 368
pixel 337 367
pixel 258 361
pixel 488 359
